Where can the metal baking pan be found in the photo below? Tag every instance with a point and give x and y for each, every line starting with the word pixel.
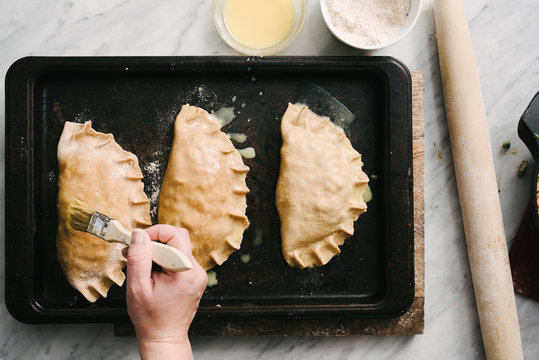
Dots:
pixel 528 131
pixel 137 99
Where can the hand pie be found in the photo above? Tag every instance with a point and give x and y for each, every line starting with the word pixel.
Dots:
pixel 320 188
pixel 204 187
pixel 95 169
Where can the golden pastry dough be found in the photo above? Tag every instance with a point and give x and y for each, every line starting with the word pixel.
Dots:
pixel 204 187
pixel 95 169
pixel 320 188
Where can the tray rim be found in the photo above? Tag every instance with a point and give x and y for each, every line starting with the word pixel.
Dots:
pixel 20 80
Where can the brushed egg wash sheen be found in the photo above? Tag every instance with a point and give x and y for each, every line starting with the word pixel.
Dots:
pixel 259 23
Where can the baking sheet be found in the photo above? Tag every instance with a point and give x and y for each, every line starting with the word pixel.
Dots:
pixel 137 100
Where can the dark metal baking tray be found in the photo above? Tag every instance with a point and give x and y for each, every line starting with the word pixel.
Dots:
pixel 137 99
pixel 528 131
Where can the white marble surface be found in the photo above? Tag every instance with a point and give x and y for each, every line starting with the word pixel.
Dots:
pixel 506 40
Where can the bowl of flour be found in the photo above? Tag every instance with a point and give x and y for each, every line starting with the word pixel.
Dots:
pixel 370 24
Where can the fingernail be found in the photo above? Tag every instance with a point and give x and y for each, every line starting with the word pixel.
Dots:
pixel 137 237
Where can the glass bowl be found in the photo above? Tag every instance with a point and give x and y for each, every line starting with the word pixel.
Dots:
pixel 222 29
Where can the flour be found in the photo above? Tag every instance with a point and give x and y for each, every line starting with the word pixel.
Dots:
pixel 152 173
pixel 367 22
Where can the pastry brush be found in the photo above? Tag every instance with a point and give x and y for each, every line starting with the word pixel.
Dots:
pixel 80 217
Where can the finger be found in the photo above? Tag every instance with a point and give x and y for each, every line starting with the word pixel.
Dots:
pixel 139 263
pixel 173 236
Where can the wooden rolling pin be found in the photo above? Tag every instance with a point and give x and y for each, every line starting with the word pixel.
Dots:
pixel 476 182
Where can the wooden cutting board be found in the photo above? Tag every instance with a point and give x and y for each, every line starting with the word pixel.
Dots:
pixel 410 323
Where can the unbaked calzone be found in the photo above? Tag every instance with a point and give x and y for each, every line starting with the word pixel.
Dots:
pixel 96 170
pixel 320 188
pixel 204 187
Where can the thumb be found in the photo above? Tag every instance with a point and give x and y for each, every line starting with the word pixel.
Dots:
pixel 139 263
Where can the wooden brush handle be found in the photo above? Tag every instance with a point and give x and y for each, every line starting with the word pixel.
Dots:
pixel 163 255
pixel 169 257
pixel 477 186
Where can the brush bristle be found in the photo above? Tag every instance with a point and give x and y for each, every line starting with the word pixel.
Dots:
pixel 78 215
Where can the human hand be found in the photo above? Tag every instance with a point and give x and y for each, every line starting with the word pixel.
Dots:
pixel 162 304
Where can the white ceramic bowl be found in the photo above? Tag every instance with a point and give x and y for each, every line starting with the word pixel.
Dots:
pixel 222 29
pixel 411 19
